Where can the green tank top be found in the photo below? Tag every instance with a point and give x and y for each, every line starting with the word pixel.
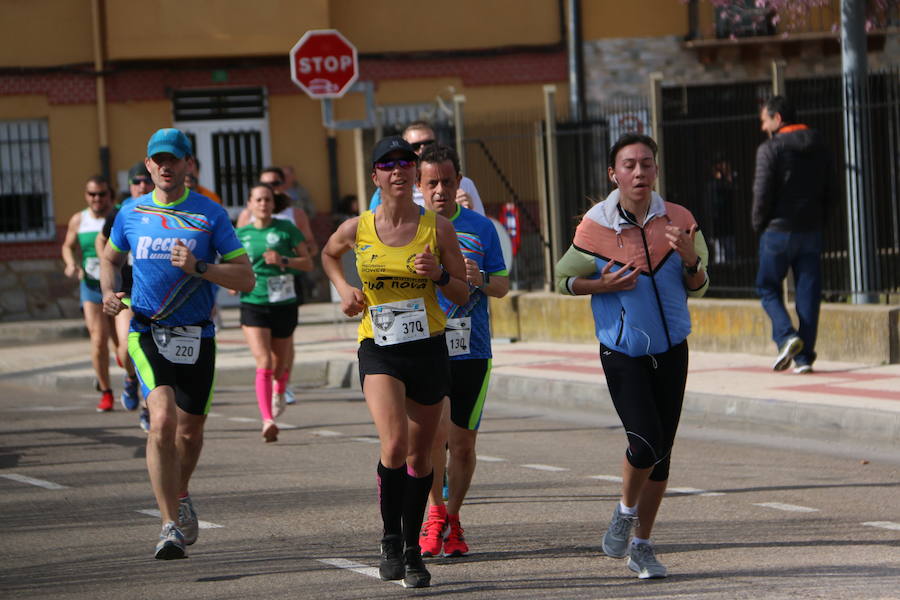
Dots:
pixel 274 283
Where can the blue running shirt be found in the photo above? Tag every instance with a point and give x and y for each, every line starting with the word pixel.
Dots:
pixel 478 241
pixel 148 229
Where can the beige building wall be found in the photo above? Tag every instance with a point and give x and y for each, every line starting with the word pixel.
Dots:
pixel 209 28
pixel 299 140
pixel 130 126
pixel 39 33
pixel 646 18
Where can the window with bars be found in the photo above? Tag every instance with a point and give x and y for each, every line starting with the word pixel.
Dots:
pixel 26 197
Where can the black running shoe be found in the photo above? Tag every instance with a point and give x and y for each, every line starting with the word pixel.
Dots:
pixel 417 576
pixel 391 567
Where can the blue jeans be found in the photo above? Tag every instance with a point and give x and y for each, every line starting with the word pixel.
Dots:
pixel 801 252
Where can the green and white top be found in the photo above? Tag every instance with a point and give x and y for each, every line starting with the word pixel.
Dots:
pixel 87 234
pixel 274 283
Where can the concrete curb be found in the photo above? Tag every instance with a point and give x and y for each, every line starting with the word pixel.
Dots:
pixel 812 421
pixel 815 421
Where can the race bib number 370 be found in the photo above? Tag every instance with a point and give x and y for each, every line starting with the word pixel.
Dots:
pixel 398 322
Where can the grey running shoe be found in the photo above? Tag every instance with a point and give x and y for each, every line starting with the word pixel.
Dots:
pixel 277 404
pixel 144 420
pixel 618 534
pixel 791 348
pixel 417 576
pixel 187 520
pixel 642 560
pixel 171 543
pixel 289 397
pixel 391 567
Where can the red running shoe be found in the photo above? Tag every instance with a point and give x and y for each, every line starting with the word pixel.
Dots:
pixel 454 540
pixel 106 402
pixel 432 536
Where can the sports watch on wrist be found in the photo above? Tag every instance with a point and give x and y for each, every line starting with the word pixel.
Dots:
pixel 692 270
pixel 200 267
pixel 285 260
pixel 485 279
pixel 444 279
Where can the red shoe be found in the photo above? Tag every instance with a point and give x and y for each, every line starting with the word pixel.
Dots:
pixel 455 541
pixel 432 536
pixel 106 402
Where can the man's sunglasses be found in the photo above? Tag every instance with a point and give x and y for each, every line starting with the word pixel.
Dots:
pixel 96 194
pixel 140 180
pixel 393 164
pixel 275 183
pixel 417 145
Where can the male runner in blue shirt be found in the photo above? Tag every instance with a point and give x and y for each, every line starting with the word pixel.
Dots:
pixel 468 335
pixel 174 235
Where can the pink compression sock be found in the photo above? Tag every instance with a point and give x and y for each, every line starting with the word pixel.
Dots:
pixel 264 393
pixel 281 383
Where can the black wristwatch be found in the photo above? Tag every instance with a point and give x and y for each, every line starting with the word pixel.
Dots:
pixel 285 260
pixel 485 279
pixel 200 267
pixel 444 279
pixel 692 270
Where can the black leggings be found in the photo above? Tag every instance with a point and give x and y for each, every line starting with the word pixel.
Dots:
pixel 648 392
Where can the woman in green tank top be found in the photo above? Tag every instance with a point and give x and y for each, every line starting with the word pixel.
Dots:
pixel 277 250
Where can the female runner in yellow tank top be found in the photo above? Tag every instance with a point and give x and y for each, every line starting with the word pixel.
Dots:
pixel 403 253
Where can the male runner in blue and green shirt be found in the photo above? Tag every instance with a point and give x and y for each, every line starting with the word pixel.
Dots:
pixel 174 236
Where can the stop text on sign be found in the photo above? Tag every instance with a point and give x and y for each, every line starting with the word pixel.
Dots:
pixel 331 64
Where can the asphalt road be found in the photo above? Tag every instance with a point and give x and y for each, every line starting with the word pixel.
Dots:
pixel 748 516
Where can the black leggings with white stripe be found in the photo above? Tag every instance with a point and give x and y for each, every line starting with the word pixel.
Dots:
pixel 648 392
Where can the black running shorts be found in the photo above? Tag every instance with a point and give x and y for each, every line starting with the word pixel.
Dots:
pixel 280 318
pixel 193 384
pixel 423 366
pixel 468 390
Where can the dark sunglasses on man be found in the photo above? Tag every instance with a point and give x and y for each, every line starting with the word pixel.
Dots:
pixel 417 145
pixel 140 180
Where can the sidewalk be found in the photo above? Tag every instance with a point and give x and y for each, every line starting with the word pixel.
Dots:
pixel 840 401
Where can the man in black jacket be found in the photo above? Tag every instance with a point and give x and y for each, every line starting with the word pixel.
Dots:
pixel 793 190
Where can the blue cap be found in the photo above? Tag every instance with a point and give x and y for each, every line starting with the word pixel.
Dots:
pixel 169 140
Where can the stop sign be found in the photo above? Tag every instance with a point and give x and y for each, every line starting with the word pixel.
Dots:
pixel 324 64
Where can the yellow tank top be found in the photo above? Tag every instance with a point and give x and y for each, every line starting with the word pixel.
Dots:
pixel 387 272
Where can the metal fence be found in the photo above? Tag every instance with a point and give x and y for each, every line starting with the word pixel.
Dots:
pixel 710 134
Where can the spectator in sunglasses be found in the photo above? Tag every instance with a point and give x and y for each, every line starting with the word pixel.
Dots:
pixel 419 135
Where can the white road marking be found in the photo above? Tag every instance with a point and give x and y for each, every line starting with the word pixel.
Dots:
pixel 243 420
pixel 694 491
pixel 326 433
pixel 31 480
pixel 45 408
pixel 214 414
pixel 883 525
pixel 368 440
pixel 342 563
pixel 487 458
pixel 787 507
pixel 545 468
pixel 287 426
pixel 612 478
pixel 152 512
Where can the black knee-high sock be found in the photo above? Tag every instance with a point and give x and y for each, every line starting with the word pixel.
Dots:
pixel 391 491
pixel 414 502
